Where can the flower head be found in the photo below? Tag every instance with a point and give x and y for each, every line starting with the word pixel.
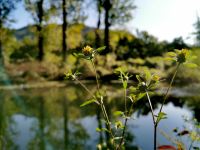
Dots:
pixel 155 78
pixel 87 50
pixel 182 55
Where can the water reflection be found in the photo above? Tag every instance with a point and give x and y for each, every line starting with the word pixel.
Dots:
pixel 48 119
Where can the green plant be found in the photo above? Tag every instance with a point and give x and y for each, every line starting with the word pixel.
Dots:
pixel 147 83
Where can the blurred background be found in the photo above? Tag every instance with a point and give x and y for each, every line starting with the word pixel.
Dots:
pixel 40 110
pixel 38 38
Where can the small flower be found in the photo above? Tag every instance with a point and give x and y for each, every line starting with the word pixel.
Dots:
pixel 182 55
pixel 155 78
pixel 87 50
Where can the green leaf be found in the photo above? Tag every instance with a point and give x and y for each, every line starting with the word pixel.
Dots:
pixel 102 129
pixel 88 102
pixel 172 54
pixel 191 65
pixel 118 113
pixel 161 116
pixel 100 49
pixel 140 95
pixel 138 78
pixel 169 59
pixel 147 75
pixel 119 125
pixel 79 55
pixel 98 129
pixel 132 89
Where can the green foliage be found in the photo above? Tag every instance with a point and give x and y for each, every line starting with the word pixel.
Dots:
pixel 88 102
pixel 161 116
pixel 25 51
pixel 147 82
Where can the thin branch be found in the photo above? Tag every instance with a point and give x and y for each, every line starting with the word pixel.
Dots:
pixel 151 108
pixel 170 85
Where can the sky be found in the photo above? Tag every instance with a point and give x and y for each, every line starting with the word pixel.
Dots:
pixel 165 19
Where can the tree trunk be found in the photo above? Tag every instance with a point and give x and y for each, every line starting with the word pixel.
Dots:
pixel 97 36
pixel 64 30
pixel 39 28
pixel 107 7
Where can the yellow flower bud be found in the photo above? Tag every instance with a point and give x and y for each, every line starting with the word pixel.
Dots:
pixel 87 50
pixel 181 57
pixel 155 78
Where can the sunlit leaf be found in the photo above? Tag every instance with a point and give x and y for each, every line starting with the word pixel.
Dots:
pixel 169 59
pixel 118 113
pixel 138 78
pixel 171 54
pixel 98 129
pixel 104 129
pixel 119 124
pixel 147 75
pixel 140 95
pixel 100 49
pixel 79 55
pixel 191 65
pixel 88 102
pixel 133 89
pixel 161 116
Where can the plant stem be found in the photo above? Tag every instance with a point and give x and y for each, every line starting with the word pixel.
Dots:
pixel 151 108
pixel 155 136
pixel 97 81
pixel 102 104
pixel 170 85
pixel 124 129
pixel 85 88
pixel 191 144
pixel 125 105
pixel 154 121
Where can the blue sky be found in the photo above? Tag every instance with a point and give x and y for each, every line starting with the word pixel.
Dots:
pixel 165 19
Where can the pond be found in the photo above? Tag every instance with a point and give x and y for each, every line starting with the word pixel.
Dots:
pixel 51 118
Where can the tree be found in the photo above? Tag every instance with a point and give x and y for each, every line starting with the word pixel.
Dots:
pixel 64 29
pixel 116 12
pixel 6 7
pixel 197 28
pixel 177 43
pixel 99 5
pixel 41 11
pixel 72 12
pixel 36 8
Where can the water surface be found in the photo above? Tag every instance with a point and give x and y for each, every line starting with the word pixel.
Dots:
pixel 51 119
